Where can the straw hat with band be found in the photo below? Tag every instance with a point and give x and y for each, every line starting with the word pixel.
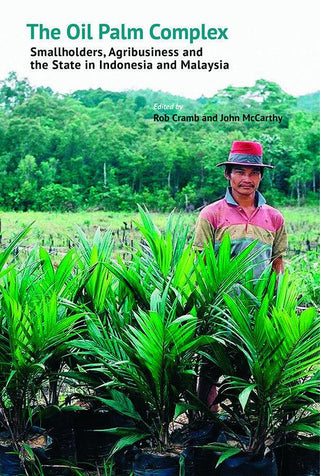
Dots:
pixel 246 153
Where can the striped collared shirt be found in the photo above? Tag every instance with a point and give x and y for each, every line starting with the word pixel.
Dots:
pixel 266 224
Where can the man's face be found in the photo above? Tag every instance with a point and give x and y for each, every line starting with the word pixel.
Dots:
pixel 244 180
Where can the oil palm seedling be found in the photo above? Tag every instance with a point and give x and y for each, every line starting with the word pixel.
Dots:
pixel 162 256
pixel 35 324
pixel 216 274
pixel 166 259
pixel 148 370
pixel 168 256
pixel 275 404
pixel 52 294
pixel 31 336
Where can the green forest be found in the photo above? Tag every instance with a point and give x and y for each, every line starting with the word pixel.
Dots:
pixel 102 150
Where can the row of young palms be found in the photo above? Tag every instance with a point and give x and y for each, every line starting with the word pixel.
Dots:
pixel 135 334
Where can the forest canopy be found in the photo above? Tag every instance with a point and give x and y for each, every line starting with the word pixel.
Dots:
pixel 96 149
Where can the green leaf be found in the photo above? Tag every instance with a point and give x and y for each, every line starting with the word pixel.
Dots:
pixel 245 394
pixel 308 443
pixel 122 404
pixel 182 408
pixel 223 448
pixel 128 440
pixel 229 452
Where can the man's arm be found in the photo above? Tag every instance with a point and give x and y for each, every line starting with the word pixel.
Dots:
pixel 277 265
pixel 279 249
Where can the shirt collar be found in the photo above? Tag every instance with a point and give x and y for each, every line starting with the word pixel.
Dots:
pixel 231 201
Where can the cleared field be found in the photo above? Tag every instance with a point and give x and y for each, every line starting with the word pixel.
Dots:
pixel 57 230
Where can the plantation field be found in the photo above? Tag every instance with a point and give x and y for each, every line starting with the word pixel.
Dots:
pixel 59 230
pixel 125 340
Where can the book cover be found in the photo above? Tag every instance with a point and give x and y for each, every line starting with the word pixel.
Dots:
pixel 106 105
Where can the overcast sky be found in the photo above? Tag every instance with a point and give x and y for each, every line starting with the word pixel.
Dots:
pixel 272 39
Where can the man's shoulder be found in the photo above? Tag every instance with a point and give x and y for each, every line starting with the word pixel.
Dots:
pixel 213 212
pixel 274 214
pixel 213 208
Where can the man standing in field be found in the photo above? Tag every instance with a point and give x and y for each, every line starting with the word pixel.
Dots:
pixel 243 212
